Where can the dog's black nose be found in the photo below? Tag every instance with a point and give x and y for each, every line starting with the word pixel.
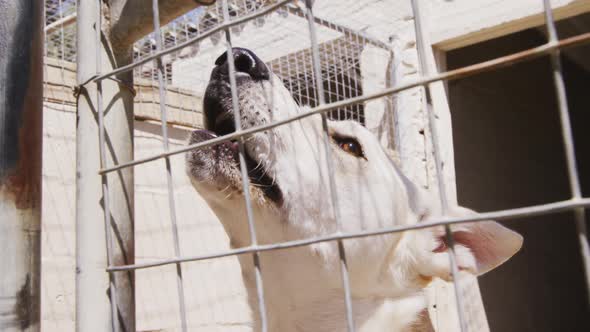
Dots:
pixel 245 61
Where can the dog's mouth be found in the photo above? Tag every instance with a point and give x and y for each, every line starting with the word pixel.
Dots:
pixel 219 118
pixel 224 124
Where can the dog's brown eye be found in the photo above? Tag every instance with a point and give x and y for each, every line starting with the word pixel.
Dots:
pixel 350 145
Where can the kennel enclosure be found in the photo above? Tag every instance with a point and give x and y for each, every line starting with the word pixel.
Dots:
pixel 372 69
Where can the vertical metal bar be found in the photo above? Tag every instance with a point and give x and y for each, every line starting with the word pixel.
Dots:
pixel 314 84
pixel 102 198
pixel 21 120
pixel 359 42
pixel 344 59
pixel 91 256
pixel 568 144
pixel 62 54
pixel 321 100
pixel 244 171
pixel 287 64
pixel 421 48
pixel 164 121
pixel 336 75
pixel 297 92
pixel 307 80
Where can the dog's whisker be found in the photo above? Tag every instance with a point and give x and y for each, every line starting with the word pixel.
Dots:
pixel 227 188
pixel 258 166
pixel 258 185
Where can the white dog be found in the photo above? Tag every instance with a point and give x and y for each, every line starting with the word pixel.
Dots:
pixel 291 199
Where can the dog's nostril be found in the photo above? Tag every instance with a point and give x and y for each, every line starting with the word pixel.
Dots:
pixel 244 63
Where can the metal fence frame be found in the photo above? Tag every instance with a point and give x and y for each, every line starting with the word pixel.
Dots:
pixel 577 203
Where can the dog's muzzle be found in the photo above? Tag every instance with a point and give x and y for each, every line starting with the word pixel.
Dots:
pixel 217 104
pixel 219 114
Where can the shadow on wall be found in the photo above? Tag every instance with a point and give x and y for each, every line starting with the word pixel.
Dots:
pixel 509 153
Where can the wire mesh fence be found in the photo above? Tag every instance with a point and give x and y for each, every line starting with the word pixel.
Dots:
pixel 319 59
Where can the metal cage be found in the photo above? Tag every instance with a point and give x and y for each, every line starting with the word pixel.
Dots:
pixel 327 76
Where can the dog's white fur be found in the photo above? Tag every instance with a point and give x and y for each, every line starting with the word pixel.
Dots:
pixel 303 287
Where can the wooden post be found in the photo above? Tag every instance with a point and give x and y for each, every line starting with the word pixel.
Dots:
pixel 21 120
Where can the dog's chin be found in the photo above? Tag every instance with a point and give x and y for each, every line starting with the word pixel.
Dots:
pixel 219 165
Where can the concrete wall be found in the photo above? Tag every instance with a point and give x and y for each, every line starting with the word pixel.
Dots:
pixel 508 154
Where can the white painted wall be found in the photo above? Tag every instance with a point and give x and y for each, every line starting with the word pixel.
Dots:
pixel 215 298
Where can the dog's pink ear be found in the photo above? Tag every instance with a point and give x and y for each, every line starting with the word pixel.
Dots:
pixel 490 243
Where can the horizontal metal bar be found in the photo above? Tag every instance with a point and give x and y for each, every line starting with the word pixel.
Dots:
pixel 61 23
pixel 219 28
pixel 449 75
pixel 528 211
